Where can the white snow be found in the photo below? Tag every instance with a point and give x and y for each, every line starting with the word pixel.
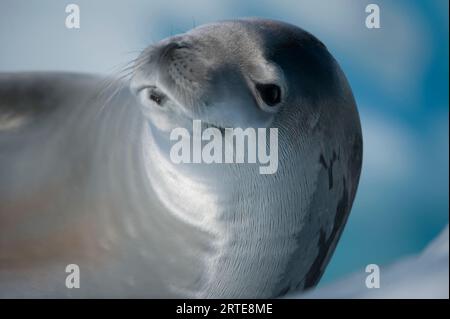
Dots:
pixel 423 276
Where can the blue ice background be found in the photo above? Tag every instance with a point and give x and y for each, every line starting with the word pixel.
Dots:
pixel 399 75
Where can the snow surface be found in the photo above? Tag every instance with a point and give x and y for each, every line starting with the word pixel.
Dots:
pixel 422 276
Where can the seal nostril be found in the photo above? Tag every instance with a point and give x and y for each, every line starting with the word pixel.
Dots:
pixel 170 48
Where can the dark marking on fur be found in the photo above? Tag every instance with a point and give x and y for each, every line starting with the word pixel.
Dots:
pixel 316 270
pixel 355 161
pixel 329 167
pixel 284 291
pixel 322 161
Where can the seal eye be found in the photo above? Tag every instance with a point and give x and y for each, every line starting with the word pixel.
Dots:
pixel 155 98
pixel 150 95
pixel 270 93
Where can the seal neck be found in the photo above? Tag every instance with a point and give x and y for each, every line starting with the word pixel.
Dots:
pixel 243 211
pixel 189 196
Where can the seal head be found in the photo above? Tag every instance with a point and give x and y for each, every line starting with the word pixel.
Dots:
pixel 273 233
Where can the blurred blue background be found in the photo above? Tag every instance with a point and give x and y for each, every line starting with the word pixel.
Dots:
pixel 399 75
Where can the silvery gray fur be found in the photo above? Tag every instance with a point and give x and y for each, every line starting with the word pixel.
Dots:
pixel 85 177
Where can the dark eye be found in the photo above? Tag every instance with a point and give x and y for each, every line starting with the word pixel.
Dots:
pixel 270 93
pixel 155 98
pixel 153 94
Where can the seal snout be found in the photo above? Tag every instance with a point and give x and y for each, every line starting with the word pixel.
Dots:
pixel 179 70
pixel 167 50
